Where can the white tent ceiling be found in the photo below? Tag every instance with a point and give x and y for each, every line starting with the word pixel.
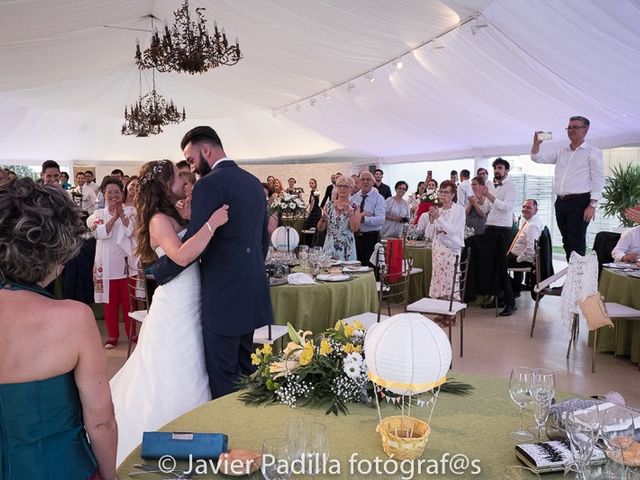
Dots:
pixel 65 77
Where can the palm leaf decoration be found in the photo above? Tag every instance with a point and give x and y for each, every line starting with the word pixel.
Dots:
pixel 621 191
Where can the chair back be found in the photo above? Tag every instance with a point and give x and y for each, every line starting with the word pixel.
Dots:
pixel 460 274
pixel 394 288
pixel 137 287
pixel 603 245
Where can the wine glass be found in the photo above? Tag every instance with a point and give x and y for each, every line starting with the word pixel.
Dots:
pixel 317 446
pixel 519 473
pixel 582 434
pixel 519 389
pixel 297 437
pixel 276 459
pixel 303 256
pixel 617 431
pixel 543 389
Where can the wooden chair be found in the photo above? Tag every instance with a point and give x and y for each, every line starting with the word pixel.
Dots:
pixel 450 306
pixel 543 285
pixel 138 299
pixel 393 292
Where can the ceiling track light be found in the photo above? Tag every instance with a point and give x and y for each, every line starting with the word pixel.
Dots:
pixel 312 102
pixel 369 76
pixel 327 96
pixel 476 27
pixel 399 64
pixel 350 86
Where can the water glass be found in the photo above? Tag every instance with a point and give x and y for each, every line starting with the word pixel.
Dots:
pixel 617 431
pixel 582 434
pixel 519 390
pixel 297 437
pixel 276 459
pixel 303 256
pixel 317 446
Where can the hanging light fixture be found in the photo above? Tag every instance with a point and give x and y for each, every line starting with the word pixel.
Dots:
pixel 187 46
pixel 150 113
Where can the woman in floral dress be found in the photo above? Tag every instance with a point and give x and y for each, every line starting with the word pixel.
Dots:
pixel 340 219
pixel 446 228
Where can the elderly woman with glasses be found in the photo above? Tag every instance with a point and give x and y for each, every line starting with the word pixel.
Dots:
pixel 340 219
pixel 397 212
pixel 445 226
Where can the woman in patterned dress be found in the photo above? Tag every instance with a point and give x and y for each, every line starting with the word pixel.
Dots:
pixel 340 219
pixel 397 212
pixel 446 228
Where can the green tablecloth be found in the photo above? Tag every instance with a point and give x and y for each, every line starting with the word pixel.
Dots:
pixel 318 307
pixel 625 290
pixel 419 284
pixel 476 426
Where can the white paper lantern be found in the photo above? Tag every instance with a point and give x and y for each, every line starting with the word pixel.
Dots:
pixel 407 354
pixel 285 239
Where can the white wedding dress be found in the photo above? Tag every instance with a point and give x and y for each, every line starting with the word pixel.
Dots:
pixel 166 374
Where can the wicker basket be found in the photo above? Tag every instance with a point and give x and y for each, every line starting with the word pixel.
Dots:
pixel 404 438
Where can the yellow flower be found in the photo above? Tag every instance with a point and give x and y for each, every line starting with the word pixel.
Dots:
pixel 350 348
pixel 325 347
pixel 255 360
pixel 339 324
pixel 267 349
pixel 349 331
pixel 307 354
pixel 358 325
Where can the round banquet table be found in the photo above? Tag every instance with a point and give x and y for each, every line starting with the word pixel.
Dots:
pixel 419 283
pixel 318 307
pixel 476 426
pixel 623 289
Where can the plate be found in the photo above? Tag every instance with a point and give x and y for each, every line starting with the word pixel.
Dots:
pixel 285 239
pixel 334 277
pixel 356 269
pixel 351 262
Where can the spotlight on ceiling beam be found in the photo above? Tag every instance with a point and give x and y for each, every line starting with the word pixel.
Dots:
pixel 399 64
pixel 477 26
pixel 369 76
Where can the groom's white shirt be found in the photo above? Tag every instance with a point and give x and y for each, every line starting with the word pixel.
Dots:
pixel 223 159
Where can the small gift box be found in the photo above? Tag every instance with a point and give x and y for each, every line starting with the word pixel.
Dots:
pixel 182 445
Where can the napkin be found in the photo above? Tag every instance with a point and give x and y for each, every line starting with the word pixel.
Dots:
pixel 300 279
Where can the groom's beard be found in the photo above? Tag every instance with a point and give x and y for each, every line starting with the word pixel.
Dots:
pixel 203 166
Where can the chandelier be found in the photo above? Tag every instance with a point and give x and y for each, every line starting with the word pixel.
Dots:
pixel 187 46
pixel 149 114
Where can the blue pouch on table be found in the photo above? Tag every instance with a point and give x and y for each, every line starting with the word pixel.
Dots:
pixel 182 444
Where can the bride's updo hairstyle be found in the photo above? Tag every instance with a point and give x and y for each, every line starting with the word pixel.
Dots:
pixel 154 196
pixel 40 229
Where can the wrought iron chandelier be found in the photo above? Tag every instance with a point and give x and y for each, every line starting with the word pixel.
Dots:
pixel 187 46
pixel 149 114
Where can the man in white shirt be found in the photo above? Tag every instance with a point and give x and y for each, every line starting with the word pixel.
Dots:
pixel 89 181
pixel 578 183
pixel 464 189
pixel 628 247
pixel 372 206
pixel 83 195
pixel 521 253
pixel 500 220
pixel 482 173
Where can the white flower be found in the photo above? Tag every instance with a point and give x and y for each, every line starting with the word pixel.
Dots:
pixel 352 370
pixel 353 365
pixel 292 205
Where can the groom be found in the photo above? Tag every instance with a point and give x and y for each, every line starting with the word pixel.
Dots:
pixel 235 297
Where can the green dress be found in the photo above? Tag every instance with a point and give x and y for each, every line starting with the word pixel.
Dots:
pixel 42 435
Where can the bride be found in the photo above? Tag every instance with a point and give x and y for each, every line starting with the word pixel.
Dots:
pixel 165 376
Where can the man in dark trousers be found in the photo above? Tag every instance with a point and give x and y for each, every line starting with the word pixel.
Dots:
pixel 235 297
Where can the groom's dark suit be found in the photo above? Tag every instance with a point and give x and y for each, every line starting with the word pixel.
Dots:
pixel 235 295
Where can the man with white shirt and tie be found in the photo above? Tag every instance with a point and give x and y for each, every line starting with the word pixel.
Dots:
pixel 578 183
pixel 500 219
pixel 521 253
pixel 372 206
pixel 86 197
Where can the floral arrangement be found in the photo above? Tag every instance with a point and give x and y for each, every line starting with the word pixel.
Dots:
pixel 428 197
pixel 287 205
pixel 328 371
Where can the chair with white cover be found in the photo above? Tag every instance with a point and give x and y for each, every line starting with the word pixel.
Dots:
pixel 449 306
pixel 393 292
pixel 138 299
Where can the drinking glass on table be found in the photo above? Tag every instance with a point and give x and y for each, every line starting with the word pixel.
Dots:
pixel 583 434
pixel 303 256
pixel 617 431
pixel 543 389
pixel 276 459
pixel 519 390
pixel 317 446
pixel 297 437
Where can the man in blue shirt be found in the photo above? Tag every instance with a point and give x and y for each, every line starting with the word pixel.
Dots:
pixel 372 206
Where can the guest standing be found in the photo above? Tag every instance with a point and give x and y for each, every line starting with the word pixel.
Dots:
pixel 414 198
pixel 54 390
pixel 371 204
pixel 130 190
pixel 477 207
pixel 314 212
pixel 383 188
pixel 446 228
pixel 340 219
pixel 329 190
pixel 277 192
pixel 113 226
pixel 425 199
pixel 397 212
pixel 578 183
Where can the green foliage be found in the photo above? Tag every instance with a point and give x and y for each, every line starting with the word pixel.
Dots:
pixel 22 171
pixel 621 191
